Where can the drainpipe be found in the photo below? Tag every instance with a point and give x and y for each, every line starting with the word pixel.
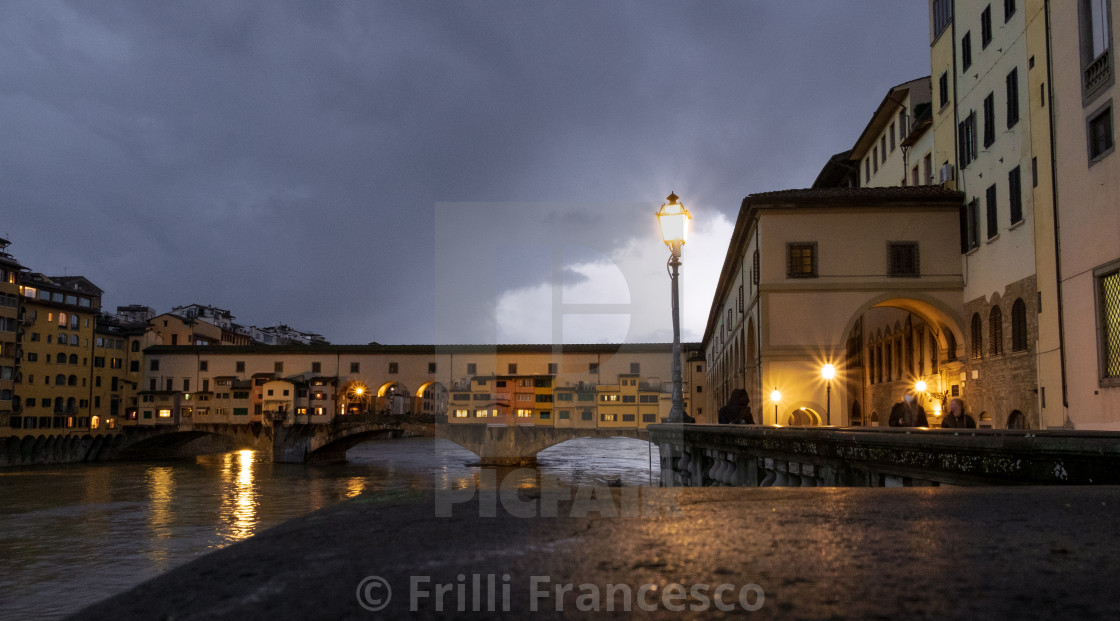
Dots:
pixel 1057 227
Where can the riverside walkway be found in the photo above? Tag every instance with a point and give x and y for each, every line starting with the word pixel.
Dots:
pixel 776 553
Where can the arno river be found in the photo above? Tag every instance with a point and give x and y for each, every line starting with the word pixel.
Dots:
pixel 72 535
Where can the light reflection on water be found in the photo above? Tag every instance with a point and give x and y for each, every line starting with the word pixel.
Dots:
pixel 74 534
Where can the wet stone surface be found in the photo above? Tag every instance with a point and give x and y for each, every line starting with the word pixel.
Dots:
pixel 824 553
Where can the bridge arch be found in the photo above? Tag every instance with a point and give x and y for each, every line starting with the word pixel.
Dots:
pixel 518 445
pixel 935 312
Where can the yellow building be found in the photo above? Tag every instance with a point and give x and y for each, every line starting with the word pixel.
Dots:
pixel 10 318
pixel 56 390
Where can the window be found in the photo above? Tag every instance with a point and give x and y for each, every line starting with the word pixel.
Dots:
pixel 240 366
pixel 393 368
pixel 563 396
pixel 927 169
pixel 1008 9
pixel 203 365
pixel 995 331
pixel 966 51
pixel 866 172
pixel 608 418
pixel 986 26
pixel 316 367
pixel 553 368
pixel 512 369
pixel 755 269
pixel 989 120
pixel 990 207
pixel 902 259
pixel 1019 325
pixel 977 336
pixel 636 367
pixel 1094 22
pixel 1100 134
pixel 966 135
pixel 586 415
pixel 1012 98
pixel 875 159
pixel 801 260
pixel 883 147
pixel 472 368
pixel 942 15
pixel 544 399
pixel 943 89
pixel 355 367
pixel 1015 195
pixel 153 364
pixel 1108 303
pixel 277 367
pixel 431 367
pixel 892 138
pixel 741 307
pixel 593 367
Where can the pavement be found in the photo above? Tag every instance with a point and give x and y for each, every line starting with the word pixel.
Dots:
pixel 767 553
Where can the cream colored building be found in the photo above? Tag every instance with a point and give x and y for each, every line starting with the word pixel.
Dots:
pixel 896 146
pixel 1084 95
pixel 806 270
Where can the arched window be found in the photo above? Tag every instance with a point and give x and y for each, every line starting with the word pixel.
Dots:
pixel 1019 325
pixel 977 336
pixel 60 380
pixel 950 346
pixel 70 404
pixel 135 345
pixel 1017 421
pixel 75 322
pixel 58 404
pixel 62 319
pixel 995 331
pixel 60 358
pixel 72 380
pixel 73 358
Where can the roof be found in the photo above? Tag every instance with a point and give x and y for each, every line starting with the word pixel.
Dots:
pixel 595 348
pixel 922 194
pixel 837 171
pixel 885 112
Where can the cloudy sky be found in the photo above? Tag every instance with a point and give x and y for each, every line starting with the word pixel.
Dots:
pixel 423 172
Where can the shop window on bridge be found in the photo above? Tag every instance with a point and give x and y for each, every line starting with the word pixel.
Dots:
pixel 542 382
pixel 563 396
pixel 608 418
pixel 545 415
pixel 587 415
pixel 649 418
pixel 240 411
pixel 564 414
pixel 461 413
pixel 627 418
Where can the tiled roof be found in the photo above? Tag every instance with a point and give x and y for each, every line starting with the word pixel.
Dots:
pixel 920 193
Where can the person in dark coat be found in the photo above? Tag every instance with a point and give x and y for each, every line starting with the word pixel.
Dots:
pixel 737 410
pixel 956 418
pixel 907 413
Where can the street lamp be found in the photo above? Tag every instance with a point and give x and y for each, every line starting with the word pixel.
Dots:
pixel 828 372
pixel 674 218
pixel 776 397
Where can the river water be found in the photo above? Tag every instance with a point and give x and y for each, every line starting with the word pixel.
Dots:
pixel 75 534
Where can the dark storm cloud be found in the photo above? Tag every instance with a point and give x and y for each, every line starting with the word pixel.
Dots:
pixel 285 160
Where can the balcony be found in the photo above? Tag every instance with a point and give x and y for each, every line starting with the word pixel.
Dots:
pixel 1097 75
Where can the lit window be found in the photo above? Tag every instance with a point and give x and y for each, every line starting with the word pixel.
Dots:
pixel 607 418
pixel 1108 301
pixel 461 413
pixel 524 413
pixel 165 413
pixel 801 260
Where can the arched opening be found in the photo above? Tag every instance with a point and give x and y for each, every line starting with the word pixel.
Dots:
pixel 60 359
pixel 857 415
pixel 433 398
pixel 874 420
pixel 1017 420
pixel 393 398
pixel 356 398
pixel 804 417
pixel 73 359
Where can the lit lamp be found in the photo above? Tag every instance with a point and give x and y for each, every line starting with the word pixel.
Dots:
pixel 674 218
pixel 828 372
pixel 776 397
pixel 922 387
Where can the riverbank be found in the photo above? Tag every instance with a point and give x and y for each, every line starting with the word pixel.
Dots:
pixel 782 553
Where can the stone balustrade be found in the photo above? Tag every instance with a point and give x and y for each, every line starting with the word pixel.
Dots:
pixel 754 455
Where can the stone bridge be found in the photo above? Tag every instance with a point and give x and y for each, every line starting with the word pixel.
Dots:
pixel 754 455
pixel 518 445
pixel 299 443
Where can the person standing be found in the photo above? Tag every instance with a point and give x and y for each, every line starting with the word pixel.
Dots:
pixel 908 413
pixel 956 418
pixel 737 410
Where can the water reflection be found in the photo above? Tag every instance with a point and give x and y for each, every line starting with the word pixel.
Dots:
pixel 239 509
pixel 161 493
pixel 127 522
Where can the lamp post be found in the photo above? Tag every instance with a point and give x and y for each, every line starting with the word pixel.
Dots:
pixel 776 397
pixel 674 218
pixel 828 372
